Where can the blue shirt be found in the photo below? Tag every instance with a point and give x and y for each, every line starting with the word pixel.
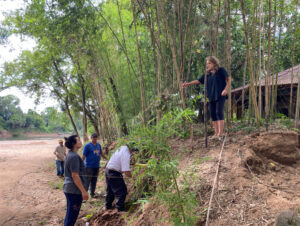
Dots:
pixel 92 155
pixel 215 84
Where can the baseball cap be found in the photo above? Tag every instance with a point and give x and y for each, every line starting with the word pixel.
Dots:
pixel 94 135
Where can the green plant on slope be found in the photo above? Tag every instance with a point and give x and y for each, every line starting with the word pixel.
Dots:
pixel 160 176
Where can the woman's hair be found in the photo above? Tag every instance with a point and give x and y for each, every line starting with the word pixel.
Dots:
pixel 215 61
pixel 71 141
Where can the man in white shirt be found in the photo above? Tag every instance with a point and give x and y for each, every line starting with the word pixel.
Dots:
pixel 116 188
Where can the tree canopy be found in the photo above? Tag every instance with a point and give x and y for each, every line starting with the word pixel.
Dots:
pixel 118 63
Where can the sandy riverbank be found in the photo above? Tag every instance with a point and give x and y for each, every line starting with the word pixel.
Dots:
pixel 26 171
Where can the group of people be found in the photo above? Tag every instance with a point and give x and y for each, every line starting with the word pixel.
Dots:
pixel 81 172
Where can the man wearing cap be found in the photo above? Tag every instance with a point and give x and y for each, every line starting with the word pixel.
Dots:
pixel 92 153
pixel 116 188
pixel 60 153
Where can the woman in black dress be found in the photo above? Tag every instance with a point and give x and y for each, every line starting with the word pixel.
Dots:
pixel 218 82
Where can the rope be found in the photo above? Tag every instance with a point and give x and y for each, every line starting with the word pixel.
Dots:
pixel 215 182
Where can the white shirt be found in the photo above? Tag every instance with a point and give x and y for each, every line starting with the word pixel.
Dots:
pixel 120 160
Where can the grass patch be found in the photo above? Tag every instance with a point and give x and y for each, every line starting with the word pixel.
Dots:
pixel 57 184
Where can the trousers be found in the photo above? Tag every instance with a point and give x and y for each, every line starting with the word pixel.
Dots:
pixel 74 202
pixel 216 110
pixel 116 188
pixel 91 179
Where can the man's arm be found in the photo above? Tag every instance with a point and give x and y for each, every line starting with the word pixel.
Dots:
pixel 84 153
pixel 125 164
pixel 55 151
pixel 127 173
pixel 103 156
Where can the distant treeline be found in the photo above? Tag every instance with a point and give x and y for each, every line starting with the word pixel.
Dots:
pixel 12 118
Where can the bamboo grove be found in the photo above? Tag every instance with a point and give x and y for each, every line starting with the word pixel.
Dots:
pixel 118 63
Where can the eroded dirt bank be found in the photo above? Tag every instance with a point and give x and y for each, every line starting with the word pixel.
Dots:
pixel 258 178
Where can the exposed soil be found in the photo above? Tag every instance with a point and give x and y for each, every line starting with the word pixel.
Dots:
pixel 26 194
pixel 278 146
pixel 258 179
pixel 249 194
pixel 108 218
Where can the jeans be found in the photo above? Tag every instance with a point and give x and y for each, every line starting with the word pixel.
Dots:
pixel 59 168
pixel 74 202
pixel 116 187
pixel 91 179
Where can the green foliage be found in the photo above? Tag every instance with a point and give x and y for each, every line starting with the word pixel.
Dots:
pixel 10 113
pixel 89 216
pixel 142 202
pixel 243 125
pixel 284 120
pixel 160 177
pixel 14 120
pixel 90 46
pixel 57 184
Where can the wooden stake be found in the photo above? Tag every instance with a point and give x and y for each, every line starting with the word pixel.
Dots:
pixel 205 108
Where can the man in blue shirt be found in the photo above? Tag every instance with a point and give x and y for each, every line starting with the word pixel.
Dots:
pixel 92 154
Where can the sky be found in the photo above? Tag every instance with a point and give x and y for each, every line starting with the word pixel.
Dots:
pixel 10 51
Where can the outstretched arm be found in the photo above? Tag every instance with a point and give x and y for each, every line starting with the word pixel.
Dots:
pixel 185 84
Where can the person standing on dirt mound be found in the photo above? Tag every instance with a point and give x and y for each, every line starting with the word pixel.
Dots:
pixel 74 189
pixel 218 82
pixel 116 188
pixel 92 153
pixel 60 153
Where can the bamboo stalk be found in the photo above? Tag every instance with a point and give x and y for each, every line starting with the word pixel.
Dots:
pixel 215 183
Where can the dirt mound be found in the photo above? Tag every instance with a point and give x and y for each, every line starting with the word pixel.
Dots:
pixel 108 218
pixel 279 147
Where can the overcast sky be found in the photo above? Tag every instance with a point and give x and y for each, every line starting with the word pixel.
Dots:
pixel 10 51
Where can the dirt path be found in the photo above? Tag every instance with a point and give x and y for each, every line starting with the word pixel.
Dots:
pixel 26 194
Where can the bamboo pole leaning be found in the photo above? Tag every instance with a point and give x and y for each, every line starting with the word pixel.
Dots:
pixel 215 182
